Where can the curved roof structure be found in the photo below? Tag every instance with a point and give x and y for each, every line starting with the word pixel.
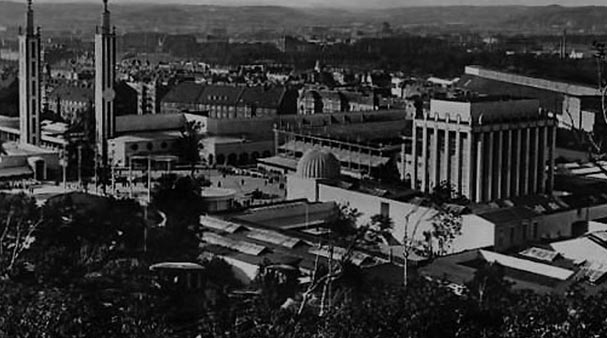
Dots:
pixel 318 164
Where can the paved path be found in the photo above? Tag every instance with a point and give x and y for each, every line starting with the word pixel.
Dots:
pixel 243 185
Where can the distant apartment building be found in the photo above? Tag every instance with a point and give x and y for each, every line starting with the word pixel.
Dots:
pixel 398 84
pixel 318 101
pixel 230 102
pixel 488 148
pixel 71 101
pixel 7 54
pixel 148 96
pixel 290 44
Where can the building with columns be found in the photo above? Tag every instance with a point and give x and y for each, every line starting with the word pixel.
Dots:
pixel 29 80
pixel 105 74
pixel 488 148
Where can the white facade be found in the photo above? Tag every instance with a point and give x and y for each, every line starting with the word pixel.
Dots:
pixel 122 148
pixel 415 220
pixel 487 150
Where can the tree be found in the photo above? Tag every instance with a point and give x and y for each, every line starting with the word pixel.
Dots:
pixel 446 227
pixel 410 242
pixel 79 275
pixel 339 270
pixel 447 193
pixel 189 144
pixel 380 228
pixel 179 198
pixel 446 222
pixel 19 220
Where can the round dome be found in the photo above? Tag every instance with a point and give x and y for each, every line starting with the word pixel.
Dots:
pixel 317 163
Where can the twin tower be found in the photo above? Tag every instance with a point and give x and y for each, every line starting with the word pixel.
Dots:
pixel 30 87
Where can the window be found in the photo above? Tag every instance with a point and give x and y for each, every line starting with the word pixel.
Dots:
pixel 384 209
pixel 164 145
pixel 150 146
pixel 134 147
pixel 525 231
pixel 535 230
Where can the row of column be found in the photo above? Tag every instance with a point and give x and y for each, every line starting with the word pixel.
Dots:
pixel 438 161
pixel 484 162
pixel 512 161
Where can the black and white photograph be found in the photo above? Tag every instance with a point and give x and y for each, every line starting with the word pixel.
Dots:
pixel 303 169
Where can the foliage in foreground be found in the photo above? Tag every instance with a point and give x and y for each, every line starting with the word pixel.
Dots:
pixel 83 275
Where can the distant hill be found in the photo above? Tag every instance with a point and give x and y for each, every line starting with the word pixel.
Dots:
pixel 82 17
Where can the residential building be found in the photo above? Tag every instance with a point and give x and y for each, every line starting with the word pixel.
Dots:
pixel 70 102
pixel 148 96
pixel 324 101
pixel 228 101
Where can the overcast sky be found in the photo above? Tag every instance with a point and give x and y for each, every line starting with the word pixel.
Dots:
pixel 357 3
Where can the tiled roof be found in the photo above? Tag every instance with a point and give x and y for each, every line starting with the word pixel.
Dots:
pixel 263 97
pixel 192 93
pixel 507 215
pixel 185 92
pixel 221 94
pixel 524 273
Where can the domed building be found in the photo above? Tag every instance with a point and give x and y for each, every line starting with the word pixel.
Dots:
pixel 315 166
pixel 318 164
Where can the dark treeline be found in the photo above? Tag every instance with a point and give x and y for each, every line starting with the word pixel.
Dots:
pixel 411 54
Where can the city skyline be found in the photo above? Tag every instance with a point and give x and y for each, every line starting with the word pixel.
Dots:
pixel 266 168
pixel 357 3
